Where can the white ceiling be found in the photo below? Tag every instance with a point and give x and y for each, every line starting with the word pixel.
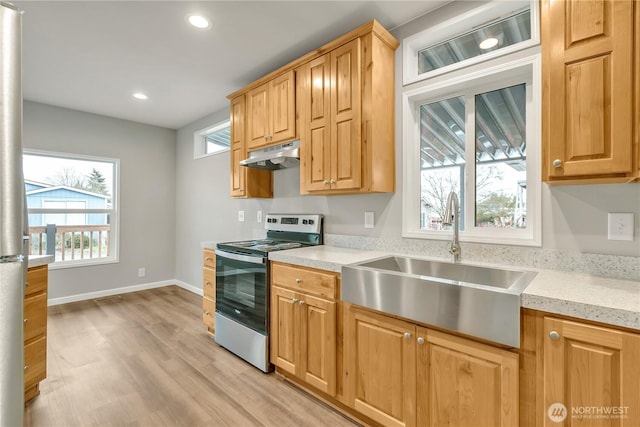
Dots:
pixel 92 55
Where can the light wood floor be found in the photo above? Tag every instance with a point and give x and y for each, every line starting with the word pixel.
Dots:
pixel 144 359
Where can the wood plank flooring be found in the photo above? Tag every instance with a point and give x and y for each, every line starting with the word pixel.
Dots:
pixel 144 359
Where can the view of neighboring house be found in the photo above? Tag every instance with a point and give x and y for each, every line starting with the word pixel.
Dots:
pixel 48 196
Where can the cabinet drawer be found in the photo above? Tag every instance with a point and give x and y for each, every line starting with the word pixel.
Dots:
pixel 36 280
pixel 35 362
pixel 208 312
pixel 310 281
pixel 35 316
pixel 209 283
pixel 209 258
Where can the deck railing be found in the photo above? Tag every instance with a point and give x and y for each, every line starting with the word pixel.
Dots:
pixel 72 242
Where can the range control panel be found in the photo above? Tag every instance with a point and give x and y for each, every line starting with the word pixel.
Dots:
pixel 301 223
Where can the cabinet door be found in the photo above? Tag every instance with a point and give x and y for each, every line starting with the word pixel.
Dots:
pixel 209 313
pixel 464 383
pixel 381 367
pixel 588 61
pixel 258 117
pixel 282 109
pixel 284 321
pixel 588 367
pixel 238 148
pixel 318 343
pixel 35 316
pixel 346 117
pixel 313 102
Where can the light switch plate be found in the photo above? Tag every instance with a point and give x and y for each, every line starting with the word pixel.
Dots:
pixel 369 220
pixel 620 226
pixel 241 216
pixel 259 217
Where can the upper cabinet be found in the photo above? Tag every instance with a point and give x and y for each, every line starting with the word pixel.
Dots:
pixel 245 182
pixel 590 84
pixel 347 140
pixel 271 110
pixel 339 100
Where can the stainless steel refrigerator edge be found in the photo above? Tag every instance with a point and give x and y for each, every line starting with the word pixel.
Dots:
pixel 13 222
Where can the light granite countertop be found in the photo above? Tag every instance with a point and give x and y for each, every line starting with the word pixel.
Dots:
pixel 38 260
pixel 600 299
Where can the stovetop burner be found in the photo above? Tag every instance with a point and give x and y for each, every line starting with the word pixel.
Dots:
pixel 284 231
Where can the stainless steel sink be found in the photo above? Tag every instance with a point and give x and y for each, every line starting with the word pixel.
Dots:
pixel 483 302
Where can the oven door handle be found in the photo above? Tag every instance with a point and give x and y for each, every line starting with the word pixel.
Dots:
pixel 238 257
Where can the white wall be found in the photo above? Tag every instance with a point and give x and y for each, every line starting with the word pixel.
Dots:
pixel 574 217
pixel 147 192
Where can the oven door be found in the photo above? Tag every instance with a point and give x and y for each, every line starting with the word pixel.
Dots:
pixel 241 289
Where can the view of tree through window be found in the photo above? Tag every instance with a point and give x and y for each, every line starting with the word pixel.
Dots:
pixel 71 208
pixel 500 158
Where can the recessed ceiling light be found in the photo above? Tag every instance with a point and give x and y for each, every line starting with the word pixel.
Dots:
pixel 488 43
pixel 199 21
pixel 140 95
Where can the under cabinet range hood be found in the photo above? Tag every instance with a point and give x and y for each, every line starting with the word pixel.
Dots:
pixel 276 157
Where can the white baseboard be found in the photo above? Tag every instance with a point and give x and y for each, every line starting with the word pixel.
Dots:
pixel 123 290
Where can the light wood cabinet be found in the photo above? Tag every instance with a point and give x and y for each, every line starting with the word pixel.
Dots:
pixel 35 330
pixel 245 182
pixel 209 289
pixel 589 90
pixel 380 357
pixel 592 371
pixel 271 112
pixel 303 325
pixel 461 382
pixel 422 377
pixel 346 133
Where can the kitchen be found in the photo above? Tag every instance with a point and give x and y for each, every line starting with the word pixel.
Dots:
pixel 574 218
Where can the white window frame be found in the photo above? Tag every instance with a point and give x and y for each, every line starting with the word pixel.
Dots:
pixel 462 24
pixel 494 74
pixel 200 140
pixel 114 211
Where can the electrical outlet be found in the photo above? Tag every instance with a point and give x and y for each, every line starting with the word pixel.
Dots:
pixel 620 226
pixel 241 216
pixel 142 272
pixel 259 217
pixel 369 219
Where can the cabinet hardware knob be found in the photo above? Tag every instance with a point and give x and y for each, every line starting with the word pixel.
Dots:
pixel 301 302
pixel 294 300
pixel 557 163
pixel 298 280
pixel 420 340
pixel 26 367
pixel 206 313
pixel 208 259
pixel 26 285
pixel 325 182
pixel 208 283
pixel 333 181
pixel 407 335
pixel 26 320
pixel 554 335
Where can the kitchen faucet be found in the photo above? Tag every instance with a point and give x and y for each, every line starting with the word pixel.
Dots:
pixel 452 209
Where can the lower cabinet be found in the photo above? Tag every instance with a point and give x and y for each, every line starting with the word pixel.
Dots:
pixel 209 289
pixel 400 374
pixel 35 330
pixel 303 325
pixel 591 375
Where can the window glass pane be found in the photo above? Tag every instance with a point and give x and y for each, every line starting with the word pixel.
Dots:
pixel 58 189
pixel 491 37
pixel 501 173
pixel 442 159
pixel 218 140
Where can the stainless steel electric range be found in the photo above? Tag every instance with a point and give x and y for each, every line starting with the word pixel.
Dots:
pixel 242 284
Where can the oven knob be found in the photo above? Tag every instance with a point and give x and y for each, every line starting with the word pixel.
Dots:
pixel 304 221
pixel 310 222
